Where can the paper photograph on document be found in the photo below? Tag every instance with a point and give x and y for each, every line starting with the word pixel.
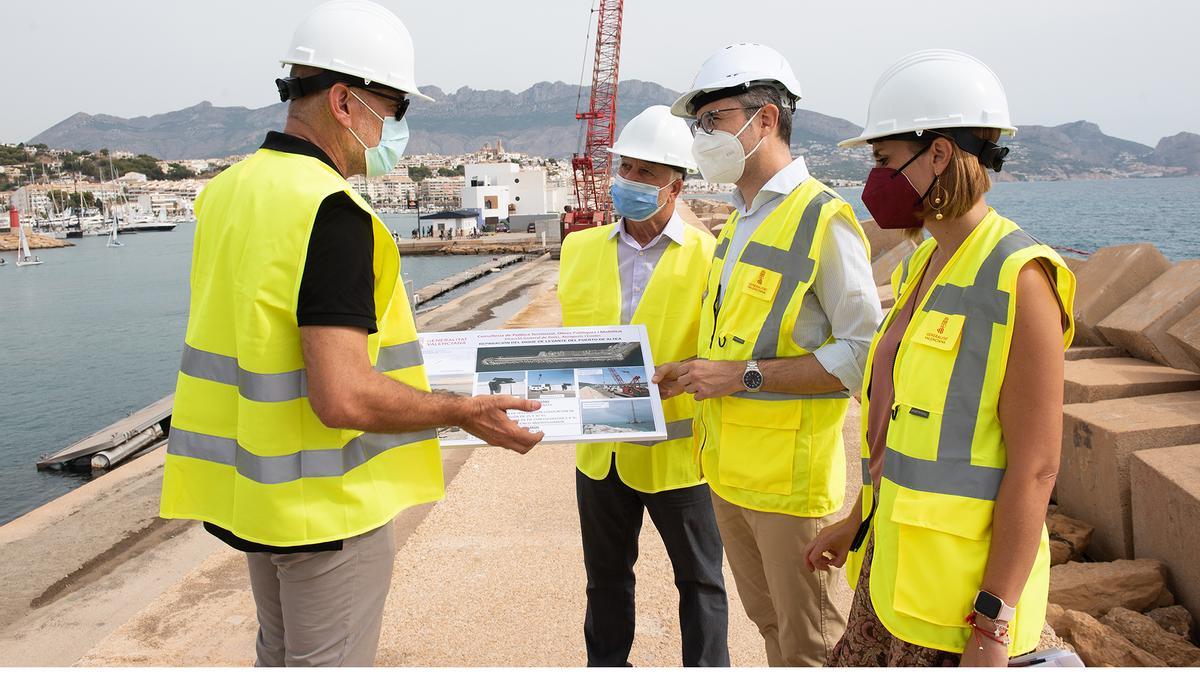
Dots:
pixel 593 383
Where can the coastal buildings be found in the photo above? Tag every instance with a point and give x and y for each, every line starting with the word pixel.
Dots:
pixel 457 222
pixel 441 191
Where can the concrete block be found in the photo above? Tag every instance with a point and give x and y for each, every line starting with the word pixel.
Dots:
pixel 1165 486
pixel 886 297
pixel 1140 325
pixel 1112 276
pixel 1075 264
pixel 1098 439
pixel 1186 333
pixel 688 215
pixel 1102 379
pixel 1105 352
pixel 881 240
pixel 884 264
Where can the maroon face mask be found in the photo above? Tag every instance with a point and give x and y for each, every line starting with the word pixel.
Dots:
pixel 891 197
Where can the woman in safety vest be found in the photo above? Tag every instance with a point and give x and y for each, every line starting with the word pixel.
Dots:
pixel 962 396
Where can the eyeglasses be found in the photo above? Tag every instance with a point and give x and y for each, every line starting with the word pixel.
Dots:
pixel 705 122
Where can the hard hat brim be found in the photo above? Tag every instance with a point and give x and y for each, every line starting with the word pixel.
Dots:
pixel 407 89
pixel 688 165
pixel 867 138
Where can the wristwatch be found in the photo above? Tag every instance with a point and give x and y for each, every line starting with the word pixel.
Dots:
pixel 752 379
pixel 992 607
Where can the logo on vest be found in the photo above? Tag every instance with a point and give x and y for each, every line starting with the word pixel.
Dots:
pixel 764 284
pixel 940 330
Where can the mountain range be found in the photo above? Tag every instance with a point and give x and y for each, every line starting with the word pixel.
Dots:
pixel 541 121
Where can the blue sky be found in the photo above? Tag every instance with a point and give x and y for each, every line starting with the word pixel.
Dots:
pixel 1130 67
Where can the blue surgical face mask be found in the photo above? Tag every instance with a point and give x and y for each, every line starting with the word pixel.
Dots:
pixel 635 201
pixel 384 157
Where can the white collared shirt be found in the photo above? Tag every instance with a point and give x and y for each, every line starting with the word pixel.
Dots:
pixel 635 263
pixel 843 301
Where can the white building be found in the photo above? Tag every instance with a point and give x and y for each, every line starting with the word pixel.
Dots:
pixel 526 186
pixel 493 201
pixel 458 223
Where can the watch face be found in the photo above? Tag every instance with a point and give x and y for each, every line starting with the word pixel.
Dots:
pixel 987 605
pixel 752 379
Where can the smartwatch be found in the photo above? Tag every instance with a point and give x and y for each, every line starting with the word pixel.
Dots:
pixel 752 379
pixel 992 607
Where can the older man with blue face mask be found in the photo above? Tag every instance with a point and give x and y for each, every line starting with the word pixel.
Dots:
pixel 647 268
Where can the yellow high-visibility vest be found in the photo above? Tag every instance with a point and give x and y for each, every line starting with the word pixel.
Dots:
pixel 768 451
pixel 589 290
pixel 246 451
pixel 945 449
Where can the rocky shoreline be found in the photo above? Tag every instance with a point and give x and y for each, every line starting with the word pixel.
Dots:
pixel 9 241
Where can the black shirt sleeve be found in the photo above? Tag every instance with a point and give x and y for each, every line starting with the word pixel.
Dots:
pixel 338 286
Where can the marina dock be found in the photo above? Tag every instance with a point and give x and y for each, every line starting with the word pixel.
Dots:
pixel 136 434
pixel 438 288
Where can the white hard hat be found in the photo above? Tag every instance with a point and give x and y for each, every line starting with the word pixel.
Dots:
pixel 935 89
pixel 655 135
pixel 358 38
pixel 745 63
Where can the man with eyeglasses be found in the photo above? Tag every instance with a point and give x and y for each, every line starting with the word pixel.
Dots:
pixel 788 317
pixel 303 420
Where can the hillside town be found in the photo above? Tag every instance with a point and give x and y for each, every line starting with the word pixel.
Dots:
pixel 52 190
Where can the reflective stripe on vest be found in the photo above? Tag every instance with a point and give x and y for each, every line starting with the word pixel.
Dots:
pixel 286 468
pixel 280 387
pixel 679 429
pixel 983 304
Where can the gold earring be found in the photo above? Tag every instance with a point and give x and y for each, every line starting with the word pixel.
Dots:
pixel 940 197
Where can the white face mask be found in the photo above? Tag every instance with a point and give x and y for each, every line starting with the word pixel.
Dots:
pixel 720 155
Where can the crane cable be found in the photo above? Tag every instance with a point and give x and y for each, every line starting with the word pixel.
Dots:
pixel 587 38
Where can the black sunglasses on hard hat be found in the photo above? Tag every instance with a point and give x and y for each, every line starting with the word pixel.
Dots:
pixel 292 88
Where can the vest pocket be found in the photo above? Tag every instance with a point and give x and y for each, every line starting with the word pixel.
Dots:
pixel 758 444
pixel 943 547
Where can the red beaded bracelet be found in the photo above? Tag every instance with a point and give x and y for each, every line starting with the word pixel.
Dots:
pixel 999 635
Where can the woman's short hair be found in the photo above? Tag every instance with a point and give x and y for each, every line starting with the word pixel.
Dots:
pixel 964 181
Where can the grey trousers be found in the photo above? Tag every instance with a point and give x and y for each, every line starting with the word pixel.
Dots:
pixel 323 609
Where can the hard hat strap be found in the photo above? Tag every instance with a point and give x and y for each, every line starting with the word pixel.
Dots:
pixel 990 155
pixel 292 88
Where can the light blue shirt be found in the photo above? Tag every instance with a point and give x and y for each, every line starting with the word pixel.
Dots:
pixel 842 301
pixel 635 263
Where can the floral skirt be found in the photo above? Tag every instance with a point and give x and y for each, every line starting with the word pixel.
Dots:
pixel 868 643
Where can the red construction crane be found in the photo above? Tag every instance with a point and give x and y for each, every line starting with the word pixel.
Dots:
pixel 634 387
pixel 592 168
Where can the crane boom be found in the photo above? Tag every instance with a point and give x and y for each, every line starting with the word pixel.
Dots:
pixel 592 168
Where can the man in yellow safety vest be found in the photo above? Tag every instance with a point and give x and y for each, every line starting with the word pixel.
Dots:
pixel 788 316
pixel 647 268
pixel 303 419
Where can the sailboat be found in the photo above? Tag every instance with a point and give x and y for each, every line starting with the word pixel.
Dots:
pixel 23 256
pixel 112 237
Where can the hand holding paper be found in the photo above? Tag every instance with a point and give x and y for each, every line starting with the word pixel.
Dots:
pixel 489 421
pixel 666 376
